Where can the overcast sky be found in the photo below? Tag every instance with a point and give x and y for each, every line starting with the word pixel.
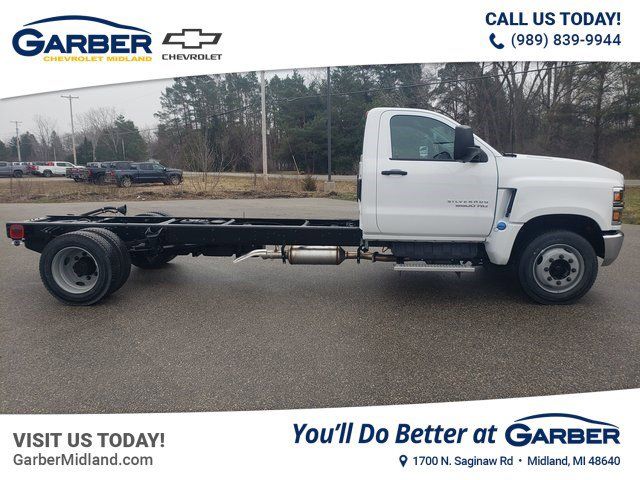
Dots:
pixel 136 101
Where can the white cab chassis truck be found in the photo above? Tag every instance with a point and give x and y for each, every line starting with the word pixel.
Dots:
pixel 432 197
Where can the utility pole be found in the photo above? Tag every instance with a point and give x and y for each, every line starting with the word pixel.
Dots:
pixel 73 131
pixel 124 155
pixel 264 127
pixel 329 186
pixel 16 122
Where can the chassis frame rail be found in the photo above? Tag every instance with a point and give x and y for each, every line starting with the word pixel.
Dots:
pixel 197 235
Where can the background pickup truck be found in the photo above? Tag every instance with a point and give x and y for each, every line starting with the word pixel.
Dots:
pixel 76 173
pixel 433 197
pixel 13 169
pixel 143 172
pixel 96 171
pixel 49 169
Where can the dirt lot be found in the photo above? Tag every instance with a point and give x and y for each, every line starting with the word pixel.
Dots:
pixel 36 189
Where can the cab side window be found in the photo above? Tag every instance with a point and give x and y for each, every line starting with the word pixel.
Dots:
pixel 420 138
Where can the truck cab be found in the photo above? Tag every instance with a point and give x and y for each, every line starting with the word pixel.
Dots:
pixel 434 192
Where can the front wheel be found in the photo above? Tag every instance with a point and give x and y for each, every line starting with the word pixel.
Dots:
pixel 17 174
pixel 47 173
pixel 126 182
pixel 557 267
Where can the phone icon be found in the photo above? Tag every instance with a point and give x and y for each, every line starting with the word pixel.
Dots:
pixel 492 39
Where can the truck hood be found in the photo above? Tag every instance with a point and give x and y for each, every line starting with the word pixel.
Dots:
pixel 521 166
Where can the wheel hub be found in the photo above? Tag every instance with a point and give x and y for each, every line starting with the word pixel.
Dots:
pixel 558 268
pixel 74 270
pixel 84 266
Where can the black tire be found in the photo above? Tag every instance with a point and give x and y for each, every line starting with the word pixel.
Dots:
pixel 120 247
pixel 47 173
pixel 102 255
pixel 125 182
pixel 152 262
pixel 76 179
pixel 99 180
pixel 17 174
pixel 565 257
pixel 175 180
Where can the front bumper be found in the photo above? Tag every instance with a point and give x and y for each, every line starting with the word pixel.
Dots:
pixel 612 246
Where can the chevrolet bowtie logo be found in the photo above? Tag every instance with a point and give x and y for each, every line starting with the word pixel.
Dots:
pixel 191 38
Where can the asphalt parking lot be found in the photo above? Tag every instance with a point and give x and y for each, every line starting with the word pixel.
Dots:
pixel 204 334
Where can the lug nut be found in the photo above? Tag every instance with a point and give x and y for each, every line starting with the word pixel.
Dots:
pixel 573 270
pixel 546 269
pixel 551 260
pixel 568 279
pixel 548 279
pixel 558 282
pixel 561 257
pixel 570 260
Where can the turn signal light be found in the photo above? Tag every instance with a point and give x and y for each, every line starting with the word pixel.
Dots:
pixel 617 216
pixel 618 196
pixel 16 231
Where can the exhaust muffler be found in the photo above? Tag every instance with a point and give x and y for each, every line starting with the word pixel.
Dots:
pixel 314 255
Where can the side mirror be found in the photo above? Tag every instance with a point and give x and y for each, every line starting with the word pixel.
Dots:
pixel 464 147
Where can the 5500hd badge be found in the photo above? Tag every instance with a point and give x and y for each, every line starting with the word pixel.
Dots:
pixel 82 47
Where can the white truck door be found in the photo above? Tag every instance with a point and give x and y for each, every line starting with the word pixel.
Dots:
pixel 422 193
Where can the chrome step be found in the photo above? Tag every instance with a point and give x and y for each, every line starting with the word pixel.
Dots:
pixel 430 267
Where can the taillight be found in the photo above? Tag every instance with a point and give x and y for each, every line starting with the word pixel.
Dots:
pixel 16 231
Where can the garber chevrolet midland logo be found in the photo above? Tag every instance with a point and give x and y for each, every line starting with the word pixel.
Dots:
pixel 560 428
pixel 65 39
pixel 191 39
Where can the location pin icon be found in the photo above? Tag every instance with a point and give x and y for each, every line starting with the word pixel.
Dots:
pixel 403 460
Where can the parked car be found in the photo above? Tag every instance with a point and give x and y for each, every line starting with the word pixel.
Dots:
pixel 143 172
pixel 76 173
pixel 49 169
pixel 96 171
pixel 13 169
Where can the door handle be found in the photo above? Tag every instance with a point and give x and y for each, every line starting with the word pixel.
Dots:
pixel 395 171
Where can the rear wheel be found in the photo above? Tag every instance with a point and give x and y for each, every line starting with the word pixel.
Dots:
pixel 152 262
pixel 123 253
pixel 125 182
pixel 557 267
pixel 17 174
pixel 78 268
pixel 47 173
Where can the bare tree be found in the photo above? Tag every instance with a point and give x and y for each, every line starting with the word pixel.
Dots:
pixel 96 123
pixel 200 156
pixel 45 127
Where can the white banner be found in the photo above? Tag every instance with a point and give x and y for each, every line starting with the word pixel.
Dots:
pixel 51 46
pixel 582 436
